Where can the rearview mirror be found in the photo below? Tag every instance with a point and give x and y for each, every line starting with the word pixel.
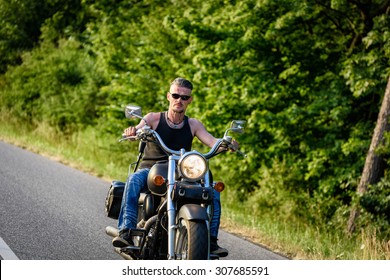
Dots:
pixel 237 126
pixel 133 111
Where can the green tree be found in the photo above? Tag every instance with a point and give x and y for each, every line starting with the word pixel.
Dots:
pixel 22 22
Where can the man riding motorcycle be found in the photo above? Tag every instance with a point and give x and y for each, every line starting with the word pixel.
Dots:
pixel 176 130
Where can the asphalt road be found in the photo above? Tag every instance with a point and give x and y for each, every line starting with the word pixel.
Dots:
pixel 50 211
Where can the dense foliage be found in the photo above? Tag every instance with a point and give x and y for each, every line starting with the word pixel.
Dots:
pixel 307 76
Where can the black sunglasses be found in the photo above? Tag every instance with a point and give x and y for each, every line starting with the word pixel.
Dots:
pixel 183 97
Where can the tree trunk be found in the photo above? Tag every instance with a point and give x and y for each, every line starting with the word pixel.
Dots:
pixel 373 167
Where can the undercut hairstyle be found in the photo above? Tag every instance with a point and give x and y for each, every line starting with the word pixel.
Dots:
pixel 181 82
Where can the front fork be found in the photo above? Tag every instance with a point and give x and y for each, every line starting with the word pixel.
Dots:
pixel 210 208
pixel 171 208
pixel 172 211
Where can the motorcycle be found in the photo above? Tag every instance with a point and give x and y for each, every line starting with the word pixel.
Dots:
pixel 175 212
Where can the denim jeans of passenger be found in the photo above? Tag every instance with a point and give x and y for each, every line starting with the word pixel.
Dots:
pixel 135 184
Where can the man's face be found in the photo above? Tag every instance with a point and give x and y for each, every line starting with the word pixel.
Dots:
pixel 178 105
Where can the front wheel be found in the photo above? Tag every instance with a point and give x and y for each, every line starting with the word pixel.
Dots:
pixel 192 240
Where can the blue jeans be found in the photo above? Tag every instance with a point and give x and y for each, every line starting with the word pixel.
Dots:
pixel 135 184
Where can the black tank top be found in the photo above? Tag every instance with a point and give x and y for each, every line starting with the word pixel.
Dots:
pixel 175 139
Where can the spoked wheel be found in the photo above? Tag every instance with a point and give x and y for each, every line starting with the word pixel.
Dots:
pixel 192 240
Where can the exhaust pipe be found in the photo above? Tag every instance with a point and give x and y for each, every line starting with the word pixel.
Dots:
pixel 114 232
pixel 111 231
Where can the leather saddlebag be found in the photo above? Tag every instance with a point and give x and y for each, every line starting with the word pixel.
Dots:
pixel 114 199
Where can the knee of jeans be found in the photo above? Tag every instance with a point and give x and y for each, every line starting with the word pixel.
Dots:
pixel 137 181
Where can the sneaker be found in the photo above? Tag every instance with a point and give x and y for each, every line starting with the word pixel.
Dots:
pixel 216 250
pixel 123 239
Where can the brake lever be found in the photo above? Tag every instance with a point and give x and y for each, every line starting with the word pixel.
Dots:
pixel 241 153
pixel 228 141
pixel 124 137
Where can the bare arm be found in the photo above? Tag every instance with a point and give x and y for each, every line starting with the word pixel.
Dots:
pixel 200 132
pixel 204 136
pixel 152 119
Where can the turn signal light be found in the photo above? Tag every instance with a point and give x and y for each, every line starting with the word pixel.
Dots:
pixel 219 186
pixel 158 180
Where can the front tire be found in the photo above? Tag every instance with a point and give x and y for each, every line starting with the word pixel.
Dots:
pixel 192 240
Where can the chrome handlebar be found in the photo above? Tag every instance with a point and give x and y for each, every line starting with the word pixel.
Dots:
pixel 145 133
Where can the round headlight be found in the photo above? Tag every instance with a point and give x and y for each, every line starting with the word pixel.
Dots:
pixel 193 166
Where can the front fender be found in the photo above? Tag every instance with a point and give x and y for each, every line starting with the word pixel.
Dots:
pixel 192 212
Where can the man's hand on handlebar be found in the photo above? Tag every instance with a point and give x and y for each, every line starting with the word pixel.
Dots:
pixel 129 134
pixel 130 131
pixel 234 146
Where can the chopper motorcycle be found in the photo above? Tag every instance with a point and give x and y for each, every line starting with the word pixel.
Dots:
pixel 175 212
